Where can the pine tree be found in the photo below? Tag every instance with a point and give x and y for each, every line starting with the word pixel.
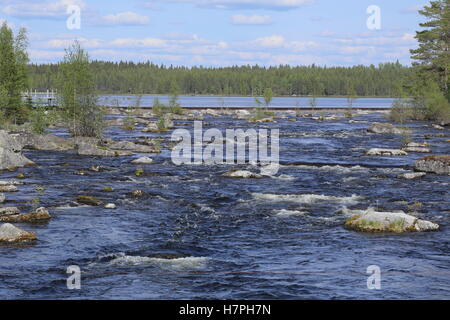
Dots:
pixel 433 54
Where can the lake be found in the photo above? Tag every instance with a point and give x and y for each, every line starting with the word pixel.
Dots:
pixel 243 102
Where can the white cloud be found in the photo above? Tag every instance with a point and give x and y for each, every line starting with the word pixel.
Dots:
pixel 269 42
pixel 139 43
pixel 240 19
pixel 125 18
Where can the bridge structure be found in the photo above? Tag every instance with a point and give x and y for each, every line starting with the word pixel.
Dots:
pixel 41 98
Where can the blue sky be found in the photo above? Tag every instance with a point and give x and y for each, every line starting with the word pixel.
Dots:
pixel 221 32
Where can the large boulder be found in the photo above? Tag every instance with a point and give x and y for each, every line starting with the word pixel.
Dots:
pixel 10 160
pixel 434 164
pixel 10 156
pixel 397 222
pixel 386 128
pixel 44 142
pixel 11 234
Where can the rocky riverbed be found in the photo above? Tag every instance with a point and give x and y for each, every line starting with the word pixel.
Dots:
pixel 349 193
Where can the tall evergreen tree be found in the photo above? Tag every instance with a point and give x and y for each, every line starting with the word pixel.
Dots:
pixel 433 54
pixel 13 73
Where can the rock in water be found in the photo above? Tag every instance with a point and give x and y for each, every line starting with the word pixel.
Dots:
pixel 110 206
pixel 11 160
pixel 10 156
pixel 143 160
pixel 86 149
pixel 386 128
pixel 2 198
pixel 9 211
pixel 412 175
pixel 11 234
pixel 417 149
pixel 241 174
pixel 434 164
pixel 386 152
pixel 88 200
pixel 40 214
pixel 8 188
pixel 397 222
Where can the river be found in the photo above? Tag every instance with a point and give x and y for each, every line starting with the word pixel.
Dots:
pixel 197 235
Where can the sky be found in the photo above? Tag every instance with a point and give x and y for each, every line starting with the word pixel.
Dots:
pixel 220 32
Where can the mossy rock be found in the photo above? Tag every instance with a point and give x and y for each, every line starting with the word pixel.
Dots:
pixel 89 200
pixel 391 222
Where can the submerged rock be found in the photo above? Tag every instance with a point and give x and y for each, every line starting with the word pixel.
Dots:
pixel 11 234
pixel 41 214
pixel 143 160
pixel 386 128
pixel 386 152
pixel 241 174
pixel 434 164
pixel 397 222
pixel 412 175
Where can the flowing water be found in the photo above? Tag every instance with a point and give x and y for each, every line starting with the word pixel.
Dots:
pixel 197 235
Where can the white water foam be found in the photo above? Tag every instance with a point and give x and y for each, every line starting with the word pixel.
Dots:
pixel 177 263
pixel 305 198
pixel 288 213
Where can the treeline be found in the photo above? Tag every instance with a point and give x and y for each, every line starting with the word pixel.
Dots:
pixel 149 78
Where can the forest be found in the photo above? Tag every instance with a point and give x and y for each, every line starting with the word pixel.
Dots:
pixel 149 78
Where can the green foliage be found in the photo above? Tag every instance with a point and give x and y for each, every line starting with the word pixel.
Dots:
pixel 139 172
pixel 129 122
pixel 77 94
pixel 433 52
pixel 161 123
pixel 174 106
pixel 313 102
pixel 39 121
pixel 149 78
pixel 158 108
pixel 13 74
pixel 268 96
pixel 400 111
